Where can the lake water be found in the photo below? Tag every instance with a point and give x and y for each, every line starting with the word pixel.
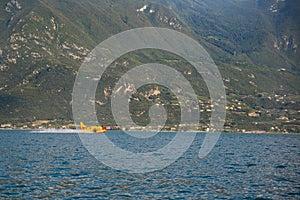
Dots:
pixel 57 166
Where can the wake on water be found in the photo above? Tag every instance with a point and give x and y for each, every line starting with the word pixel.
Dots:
pixel 53 130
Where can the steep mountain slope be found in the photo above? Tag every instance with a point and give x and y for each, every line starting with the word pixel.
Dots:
pixel 256 46
pixel 44 42
pixel 256 30
pixel 254 43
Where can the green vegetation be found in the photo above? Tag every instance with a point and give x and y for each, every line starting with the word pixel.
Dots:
pixel 254 43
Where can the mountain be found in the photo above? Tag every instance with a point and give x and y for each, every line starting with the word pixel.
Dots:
pixel 254 43
pixel 43 44
pixel 246 28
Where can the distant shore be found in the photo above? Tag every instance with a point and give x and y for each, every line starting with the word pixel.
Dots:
pixel 54 130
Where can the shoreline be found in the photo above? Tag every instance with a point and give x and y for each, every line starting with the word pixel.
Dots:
pixel 75 131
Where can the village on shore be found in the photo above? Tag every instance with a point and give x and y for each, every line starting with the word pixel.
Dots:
pixel 55 124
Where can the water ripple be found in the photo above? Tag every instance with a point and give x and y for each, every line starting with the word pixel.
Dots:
pixel 241 166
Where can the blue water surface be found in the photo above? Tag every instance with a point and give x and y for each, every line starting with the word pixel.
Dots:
pixel 241 166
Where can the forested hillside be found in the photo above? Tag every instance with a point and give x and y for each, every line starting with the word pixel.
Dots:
pixel 255 44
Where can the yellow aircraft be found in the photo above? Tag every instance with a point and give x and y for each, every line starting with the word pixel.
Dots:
pixel 94 129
